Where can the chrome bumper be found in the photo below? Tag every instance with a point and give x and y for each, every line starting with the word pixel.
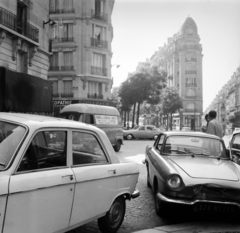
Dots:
pixel 135 194
pixel 187 202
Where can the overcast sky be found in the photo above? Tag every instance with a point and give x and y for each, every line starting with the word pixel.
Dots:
pixel 142 26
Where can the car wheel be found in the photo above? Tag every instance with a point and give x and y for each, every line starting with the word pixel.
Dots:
pixel 160 207
pixel 155 137
pixel 129 137
pixel 112 221
pixel 117 147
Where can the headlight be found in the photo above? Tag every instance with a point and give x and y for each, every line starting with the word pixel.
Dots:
pixel 174 182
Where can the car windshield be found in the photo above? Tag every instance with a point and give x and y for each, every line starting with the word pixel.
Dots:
pixel 10 137
pixel 76 116
pixel 136 127
pixel 196 146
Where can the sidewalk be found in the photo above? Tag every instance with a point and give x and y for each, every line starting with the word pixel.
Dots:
pixel 206 227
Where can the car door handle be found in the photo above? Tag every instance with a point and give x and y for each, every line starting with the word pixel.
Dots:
pixel 114 171
pixel 71 176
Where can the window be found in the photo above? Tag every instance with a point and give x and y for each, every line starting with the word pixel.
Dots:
pixel 89 119
pixel 55 87
pixel 22 62
pixel 98 5
pixel 67 31
pixel 95 88
pixel 54 60
pixel 150 128
pixel 67 87
pixel 54 6
pixel 46 150
pixel 68 59
pixel 87 149
pixel 191 82
pixel 98 60
pixel 21 18
pixel 142 128
pixel 67 5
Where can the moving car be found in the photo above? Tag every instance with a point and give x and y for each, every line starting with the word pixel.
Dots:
pixel 106 118
pixel 192 170
pixel 58 174
pixel 142 132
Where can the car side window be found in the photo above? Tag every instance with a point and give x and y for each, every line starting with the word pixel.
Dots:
pixel 86 149
pixel 236 142
pixel 88 119
pixel 160 142
pixel 149 128
pixel 48 149
pixel 142 128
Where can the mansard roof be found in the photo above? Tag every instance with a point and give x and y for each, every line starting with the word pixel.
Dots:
pixel 189 25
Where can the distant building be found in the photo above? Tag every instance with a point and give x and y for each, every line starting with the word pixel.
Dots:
pixel 80 64
pixel 181 57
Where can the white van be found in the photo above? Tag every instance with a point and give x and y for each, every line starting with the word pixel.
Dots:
pixel 104 117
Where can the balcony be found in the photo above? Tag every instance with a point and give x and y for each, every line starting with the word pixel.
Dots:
pixel 24 28
pixel 61 11
pixel 67 67
pixel 67 95
pixel 95 96
pixel 67 39
pixel 191 85
pixel 99 71
pixel 54 67
pixel 99 43
pixel 190 72
pixel 56 95
pixel 99 15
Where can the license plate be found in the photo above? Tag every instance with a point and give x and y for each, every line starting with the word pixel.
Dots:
pixel 213 208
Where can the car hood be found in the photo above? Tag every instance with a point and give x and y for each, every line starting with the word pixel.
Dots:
pixel 207 168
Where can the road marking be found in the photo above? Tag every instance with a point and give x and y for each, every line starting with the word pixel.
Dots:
pixel 136 158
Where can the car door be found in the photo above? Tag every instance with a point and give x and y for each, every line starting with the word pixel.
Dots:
pixel 150 132
pixel 41 189
pixel 141 132
pixel 235 148
pixel 96 178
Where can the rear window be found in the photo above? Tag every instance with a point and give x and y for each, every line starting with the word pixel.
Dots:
pixel 75 116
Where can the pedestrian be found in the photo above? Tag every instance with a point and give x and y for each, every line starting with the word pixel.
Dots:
pixel 214 126
pixel 204 128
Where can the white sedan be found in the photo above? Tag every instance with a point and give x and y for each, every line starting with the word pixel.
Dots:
pixel 57 174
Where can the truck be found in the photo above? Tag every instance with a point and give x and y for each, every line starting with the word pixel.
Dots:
pixel 24 93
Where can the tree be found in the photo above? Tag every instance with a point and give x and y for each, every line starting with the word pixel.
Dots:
pixel 170 102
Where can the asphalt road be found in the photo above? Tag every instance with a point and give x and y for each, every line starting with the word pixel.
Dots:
pixel 140 212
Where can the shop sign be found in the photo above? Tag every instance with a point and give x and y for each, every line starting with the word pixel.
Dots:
pixel 61 102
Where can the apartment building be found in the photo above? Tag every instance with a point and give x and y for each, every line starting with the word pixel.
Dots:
pixel 80 62
pixel 23 39
pixel 181 57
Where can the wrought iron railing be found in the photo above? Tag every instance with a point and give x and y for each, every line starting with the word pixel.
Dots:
pixel 54 67
pixel 99 43
pixel 67 94
pixel 99 71
pixel 190 72
pixel 67 67
pixel 95 96
pixel 61 11
pixel 99 15
pixel 11 21
pixel 66 39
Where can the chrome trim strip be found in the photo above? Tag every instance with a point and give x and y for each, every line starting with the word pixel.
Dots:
pixel 187 202
pixel 31 190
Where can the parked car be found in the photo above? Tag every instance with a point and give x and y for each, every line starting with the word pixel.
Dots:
pixel 58 174
pixel 193 171
pixel 142 132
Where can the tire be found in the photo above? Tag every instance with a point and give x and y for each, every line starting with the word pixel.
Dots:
pixel 129 137
pixel 113 219
pixel 155 137
pixel 117 147
pixel 148 182
pixel 161 208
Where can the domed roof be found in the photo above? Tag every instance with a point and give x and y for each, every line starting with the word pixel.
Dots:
pixel 189 27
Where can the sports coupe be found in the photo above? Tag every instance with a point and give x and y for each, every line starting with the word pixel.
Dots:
pixel 192 170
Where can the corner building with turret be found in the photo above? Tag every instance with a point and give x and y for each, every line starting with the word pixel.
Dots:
pixel 181 57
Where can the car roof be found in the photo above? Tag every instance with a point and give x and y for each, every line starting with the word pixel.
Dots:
pixel 38 120
pixel 91 109
pixel 190 133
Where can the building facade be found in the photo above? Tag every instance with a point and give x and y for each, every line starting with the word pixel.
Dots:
pixel 181 57
pixel 80 63
pixel 23 39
